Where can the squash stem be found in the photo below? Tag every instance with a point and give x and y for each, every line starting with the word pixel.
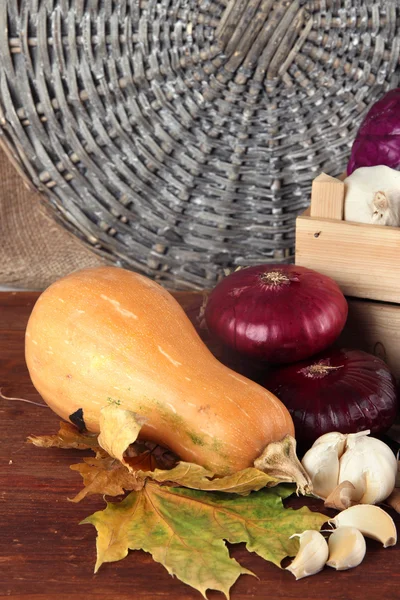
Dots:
pixel 279 459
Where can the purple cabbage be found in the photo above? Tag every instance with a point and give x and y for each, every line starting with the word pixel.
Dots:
pixel 378 139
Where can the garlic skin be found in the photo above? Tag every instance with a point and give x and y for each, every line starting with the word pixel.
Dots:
pixel 321 462
pixel 312 555
pixel 333 438
pixel 370 466
pixel 372 521
pixel 347 548
pixel 373 196
pixel 366 462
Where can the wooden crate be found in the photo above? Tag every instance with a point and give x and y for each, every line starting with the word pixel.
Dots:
pixel 365 262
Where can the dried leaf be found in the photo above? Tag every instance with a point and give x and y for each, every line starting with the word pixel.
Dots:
pixel 342 497
pixel 119 429
pixel 146 460
pixel 196 477
pixel 68 436
pixel 105 475
pixel 394 499
pixel 185 530
pixel 108 476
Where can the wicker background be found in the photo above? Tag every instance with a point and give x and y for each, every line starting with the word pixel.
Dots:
pixel 180 137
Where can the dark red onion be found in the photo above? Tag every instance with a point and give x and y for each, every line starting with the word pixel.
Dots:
pixel 339 390
pixel 276 313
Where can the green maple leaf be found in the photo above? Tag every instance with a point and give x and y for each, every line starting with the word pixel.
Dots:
pixel 185 530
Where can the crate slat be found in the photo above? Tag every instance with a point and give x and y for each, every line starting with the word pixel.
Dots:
pixel 363 259
pixel 375 328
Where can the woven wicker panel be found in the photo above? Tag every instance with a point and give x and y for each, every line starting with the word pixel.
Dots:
pixel 180 137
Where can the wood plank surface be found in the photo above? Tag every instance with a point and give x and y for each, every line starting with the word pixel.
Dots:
pixel 362 259
pixel 375 328
pixel 46 555
pixel 327 197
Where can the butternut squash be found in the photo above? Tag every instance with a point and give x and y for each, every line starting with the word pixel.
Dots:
pixel 108 335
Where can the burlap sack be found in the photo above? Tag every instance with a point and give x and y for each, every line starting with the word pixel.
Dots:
pixel 34 250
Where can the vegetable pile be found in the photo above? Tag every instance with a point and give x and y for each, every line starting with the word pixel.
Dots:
pixel 207 455
pixel 301 313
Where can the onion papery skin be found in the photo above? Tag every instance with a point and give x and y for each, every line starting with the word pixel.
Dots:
pixel 276 313
pixel 354 391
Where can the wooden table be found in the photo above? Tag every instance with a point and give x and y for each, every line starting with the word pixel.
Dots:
pixel 45 554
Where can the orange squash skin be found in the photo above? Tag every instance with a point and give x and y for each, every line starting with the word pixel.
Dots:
pixel 109 335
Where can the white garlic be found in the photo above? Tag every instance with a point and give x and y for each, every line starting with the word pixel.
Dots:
pixel 366 462
pixel 373 196
pixel 372 521
pixel 370 466
pixel 347 548
pixel 312 555
pixel 321 462
pixel 333 438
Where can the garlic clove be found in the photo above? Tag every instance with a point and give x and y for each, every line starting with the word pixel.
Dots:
pixel 347 548
pixel 321 462
pixel 312 555
pixel 333 438
pixel 372 521
pixel 343 496
pixel 371 467
pixel 362 439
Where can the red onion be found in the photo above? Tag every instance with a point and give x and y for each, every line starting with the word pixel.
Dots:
pixel 276 313
pixel 340 390
pixel 378 139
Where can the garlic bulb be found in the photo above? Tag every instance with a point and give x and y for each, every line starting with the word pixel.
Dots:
pixel 366 462
pixel 373 196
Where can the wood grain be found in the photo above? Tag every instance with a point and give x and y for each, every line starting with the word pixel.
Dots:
pixel 46 555
pixel 362 259
pixel 375 328
pixel 327 197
